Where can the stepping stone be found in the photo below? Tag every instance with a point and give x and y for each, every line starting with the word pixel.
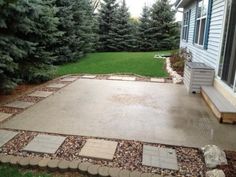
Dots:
pixel 19 104
pixel 68 79
pixel 159 157
pixel 122 78
pixel 160 80
pixel 6 136
pixel 45 144
pixel 42 94
pixel 89 76
pixel 99 149
pixel 4 116
pixel 55 85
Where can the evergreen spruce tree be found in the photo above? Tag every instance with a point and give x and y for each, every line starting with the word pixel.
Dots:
pixel 162 19
pixel 78 26
pixel 84 27
pixel 144 36
pixel 121 30
pixel 134 40
pixel 106 19
pixel 27 29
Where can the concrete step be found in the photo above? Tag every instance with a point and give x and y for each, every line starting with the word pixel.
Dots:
pixel 221 107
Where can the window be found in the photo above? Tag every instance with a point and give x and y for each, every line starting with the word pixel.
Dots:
pixel 202 10
pixel 186 21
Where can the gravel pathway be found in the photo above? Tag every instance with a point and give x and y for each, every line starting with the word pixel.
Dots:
pixel 128 155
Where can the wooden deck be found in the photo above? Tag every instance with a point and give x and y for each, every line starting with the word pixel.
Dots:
pixel 220 106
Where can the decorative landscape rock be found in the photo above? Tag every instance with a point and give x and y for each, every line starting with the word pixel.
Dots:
pixel 177 79
pixel 45 144
pixel 215 173
pixel 42 94
pixel 99 149
pixel 4 116
pixel 214 156
pixel 159 157
pixel 19 104
pixel 6 136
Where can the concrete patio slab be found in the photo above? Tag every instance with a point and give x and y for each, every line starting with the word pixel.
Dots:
pixel 159 157
pixel 19 104
pixel 99 149
pixel 144 111
pixel 56 85
pixel 6 136
pixel 45 144
pixel 4 116
pixel 42 94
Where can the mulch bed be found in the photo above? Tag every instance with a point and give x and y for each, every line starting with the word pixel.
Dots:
pixel 128 155
pixel 30 99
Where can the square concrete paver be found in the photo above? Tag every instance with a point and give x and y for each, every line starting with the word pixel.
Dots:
pixel 69 79
pixel 45 144
pixel 89 76
pixel 99 149
pixel 19 104
pixel 160 80
pixel 123 78
pixel 4 116
pixel 6 136
pixel 42 94
pixel 160 157
pixel 56 85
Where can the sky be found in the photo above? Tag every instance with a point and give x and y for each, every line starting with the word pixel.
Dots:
pixel 136 6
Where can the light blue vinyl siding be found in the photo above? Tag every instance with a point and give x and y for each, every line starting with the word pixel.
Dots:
pixel 210 55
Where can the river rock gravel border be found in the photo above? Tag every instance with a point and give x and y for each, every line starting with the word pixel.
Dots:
pixel 128 155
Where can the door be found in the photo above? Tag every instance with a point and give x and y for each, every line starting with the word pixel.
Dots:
pixel 227 68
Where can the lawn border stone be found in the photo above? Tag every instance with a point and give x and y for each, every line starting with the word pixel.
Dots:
pixel 53 164
pixel 73 165
pixel 24 161
pixel 103 171
pixel 63 165
pixel 44 162
pixel 83 167
pixel 124 173
pixel 34 161
pixel 93 169
pixel 114 172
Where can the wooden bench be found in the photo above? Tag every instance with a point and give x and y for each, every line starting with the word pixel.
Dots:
pixel 221 107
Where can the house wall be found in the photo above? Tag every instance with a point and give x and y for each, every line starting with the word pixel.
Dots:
pixel 208 56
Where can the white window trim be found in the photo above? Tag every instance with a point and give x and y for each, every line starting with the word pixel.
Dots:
pixel 200 25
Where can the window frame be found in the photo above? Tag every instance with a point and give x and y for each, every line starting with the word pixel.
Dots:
pixel 186 24
pixel 197 37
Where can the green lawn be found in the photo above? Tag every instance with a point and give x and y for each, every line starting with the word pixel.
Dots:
pixel 8 171
pixel 141 63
